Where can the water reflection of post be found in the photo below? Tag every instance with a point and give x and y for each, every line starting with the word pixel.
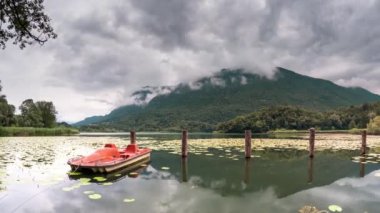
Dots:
pixel 310 170
pixel 311 142
pixel 247 170
pixel 364 143
pixel 362 167
pixel 184 169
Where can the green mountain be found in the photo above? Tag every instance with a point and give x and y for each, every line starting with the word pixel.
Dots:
pixel 201 105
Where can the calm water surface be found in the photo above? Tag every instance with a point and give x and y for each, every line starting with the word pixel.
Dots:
pixel 33 178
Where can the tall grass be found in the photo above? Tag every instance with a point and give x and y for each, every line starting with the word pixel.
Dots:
pixel 31 131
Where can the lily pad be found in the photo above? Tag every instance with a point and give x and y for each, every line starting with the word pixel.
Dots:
pixel 74 173
pixel 100 179
pixel 67 189
pixel 76 186
pixel 107 184
pixel 88 192
pixel 133 174
pixel 83 180
pixel 94 196
pixel 85 183
pixel 165 168
pixel 335 208
pixel 129 200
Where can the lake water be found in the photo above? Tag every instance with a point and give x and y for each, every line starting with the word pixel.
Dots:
pixel 214 178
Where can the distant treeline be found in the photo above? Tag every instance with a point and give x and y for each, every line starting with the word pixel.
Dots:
pixel 297 118
pixel 38 115
pixel 33 131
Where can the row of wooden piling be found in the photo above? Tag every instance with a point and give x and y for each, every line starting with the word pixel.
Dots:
pixel 363 148
pixel 248 142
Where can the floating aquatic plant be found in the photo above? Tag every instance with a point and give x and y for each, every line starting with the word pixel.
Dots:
pixel 335 208
pixel 129 200
pixel 165 168
pixel 99 179
pixel 76 186
pixel 107 184
pixel 67 189
pixel 88 192
pixel 85 183
pixel 94 196
pixel 74 173
pixel 133 174
pixel 84 180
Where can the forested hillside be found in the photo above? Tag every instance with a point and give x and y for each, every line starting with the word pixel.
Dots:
pixel 201 105
pixel 296 118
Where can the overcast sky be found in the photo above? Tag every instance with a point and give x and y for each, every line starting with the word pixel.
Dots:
pixel 105 50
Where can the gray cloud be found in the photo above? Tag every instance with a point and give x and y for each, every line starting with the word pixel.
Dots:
pixel 169 20
pixel 107 50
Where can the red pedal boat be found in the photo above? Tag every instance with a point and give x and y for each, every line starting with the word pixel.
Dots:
pixel 110 158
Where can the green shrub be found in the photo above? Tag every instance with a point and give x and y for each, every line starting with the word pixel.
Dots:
pixel 374 126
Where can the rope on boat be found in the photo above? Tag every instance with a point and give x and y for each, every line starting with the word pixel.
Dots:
pixel 79 156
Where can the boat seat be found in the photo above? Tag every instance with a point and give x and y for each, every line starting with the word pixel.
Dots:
pixel 110 145
pixel 124 155
pixel 132 148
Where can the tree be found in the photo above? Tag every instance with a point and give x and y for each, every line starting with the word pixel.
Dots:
pixel 352 124
pixel 6 111
pixel 24 22
pixel 374 126
pixel 48 113
pixel 31 114
pixel 2 97
pixel 39 114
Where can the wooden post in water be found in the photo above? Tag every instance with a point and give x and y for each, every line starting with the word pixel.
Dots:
pixel 364 142
pixel 362 167
pixel 184 169
pixel 184 143
pixel 247 171
pixel 311 142
pixel 132 136
pixel 310 170
pixel 248 144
